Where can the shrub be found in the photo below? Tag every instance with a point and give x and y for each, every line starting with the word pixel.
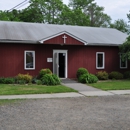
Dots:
pixel 38 82
pixel 92 79
pixel 57 79
pixel 127 75
pixel 115 75
pixel 44 72
pixel 34 80
pixel 2 80
pixel 9 80
pixel 22 81
pixel 88 78
pixel 83 78
pixel 24 77
pixel 102 75
pixel 48 80
pixel 81 71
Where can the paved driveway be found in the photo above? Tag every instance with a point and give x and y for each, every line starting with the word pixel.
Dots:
pixel 82 113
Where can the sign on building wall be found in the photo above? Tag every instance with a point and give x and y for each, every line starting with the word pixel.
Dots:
pixel 49 59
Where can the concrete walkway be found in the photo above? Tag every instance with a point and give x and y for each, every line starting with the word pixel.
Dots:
pixel 83 90
pixel 90 91
pixel 78 86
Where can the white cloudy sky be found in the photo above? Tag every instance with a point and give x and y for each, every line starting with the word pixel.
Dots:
pixel 117 9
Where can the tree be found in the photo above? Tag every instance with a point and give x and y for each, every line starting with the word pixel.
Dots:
pixel 46 11
pixel 128 16
pixel 43 11
pixel 96 15
pixel 121 25
pixel 125 50
pixel 31 15
pixel 9 16
pixel 82 4
pixel 73 17
pixel 14 15
pixel 3 15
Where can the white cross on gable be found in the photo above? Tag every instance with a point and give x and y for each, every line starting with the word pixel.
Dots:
pixel 64 37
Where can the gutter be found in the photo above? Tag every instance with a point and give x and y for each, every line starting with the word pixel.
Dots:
pixel 101 44
pixel 21 42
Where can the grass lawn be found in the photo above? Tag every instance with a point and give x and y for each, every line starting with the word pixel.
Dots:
pixel 112 85
pixel 7 89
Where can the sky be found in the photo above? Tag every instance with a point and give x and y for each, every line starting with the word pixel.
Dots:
pixel 116 9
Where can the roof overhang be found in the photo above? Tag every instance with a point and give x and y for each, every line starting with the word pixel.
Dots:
pixel 102 44
pixel 18 41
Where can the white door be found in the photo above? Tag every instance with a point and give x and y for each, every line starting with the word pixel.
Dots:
pixel 60 63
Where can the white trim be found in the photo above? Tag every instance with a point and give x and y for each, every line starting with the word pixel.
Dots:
pixel 125 63
pixel 66 60
pixel 64 32
pixel 103 67
pixel 25 60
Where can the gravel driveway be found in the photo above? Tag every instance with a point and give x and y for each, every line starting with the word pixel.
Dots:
pixel 84 113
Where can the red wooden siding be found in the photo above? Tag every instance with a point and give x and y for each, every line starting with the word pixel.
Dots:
pixel 59 40
pixel 12 58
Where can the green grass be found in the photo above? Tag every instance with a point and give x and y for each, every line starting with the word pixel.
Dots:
pixel 6 89
pixel 112 85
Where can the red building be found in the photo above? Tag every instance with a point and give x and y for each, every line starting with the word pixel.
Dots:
pixel 29 47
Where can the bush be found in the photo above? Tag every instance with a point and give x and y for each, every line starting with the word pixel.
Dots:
pixel 34 80
pixel 2 80
pixel 92 79
pixel 44 72
pixel 115 75
pixel 57 79
pixel 24 77
pixel 83 78
pixel 81 71
pixel 102 75
pixel 127 75
pixel 88 78
pixel 9 80
pixel 22 81
pixel 48 80
pixel 38 82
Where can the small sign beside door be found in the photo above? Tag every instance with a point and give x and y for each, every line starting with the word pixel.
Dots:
pixel 49 59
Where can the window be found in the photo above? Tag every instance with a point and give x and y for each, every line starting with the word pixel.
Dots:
pixel 29 60
pixel 123 64
pixel 100 60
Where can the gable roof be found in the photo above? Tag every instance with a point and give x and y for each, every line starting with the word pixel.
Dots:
pixel 64 32
pixel 21 32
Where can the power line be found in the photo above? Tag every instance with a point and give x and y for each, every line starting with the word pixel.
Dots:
pixel 20 4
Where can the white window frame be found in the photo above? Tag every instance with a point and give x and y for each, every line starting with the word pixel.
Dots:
pixel 103 67
pixel 25 60
pixel 125 63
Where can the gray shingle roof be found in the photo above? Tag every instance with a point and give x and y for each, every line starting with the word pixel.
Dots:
pixel 35 32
